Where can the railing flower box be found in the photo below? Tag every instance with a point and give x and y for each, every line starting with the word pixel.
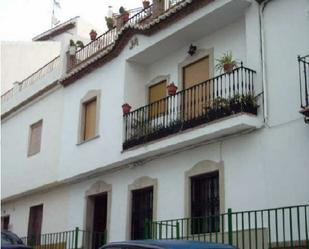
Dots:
pixel 216 98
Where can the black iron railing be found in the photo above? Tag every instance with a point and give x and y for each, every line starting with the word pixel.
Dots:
pixel 303 63
pixel 215 98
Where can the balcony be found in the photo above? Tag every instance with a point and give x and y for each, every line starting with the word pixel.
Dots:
pixel 226 95
pixel 303 63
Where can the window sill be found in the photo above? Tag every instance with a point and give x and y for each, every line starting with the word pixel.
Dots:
pixel 88 140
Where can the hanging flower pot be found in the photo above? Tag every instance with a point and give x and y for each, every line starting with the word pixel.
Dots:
pixel 126 108
pixel 146 4
pixel 171 89
pixel 93 35
pixel 228 67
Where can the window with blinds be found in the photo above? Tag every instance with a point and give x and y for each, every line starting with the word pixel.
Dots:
pixel 34 146
pixel 157 92
pixel 196 98
pixel 90 109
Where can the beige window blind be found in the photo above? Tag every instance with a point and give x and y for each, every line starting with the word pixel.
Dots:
pixel 35 138
pixel 157 92
pixel 90 119
pixel 196 98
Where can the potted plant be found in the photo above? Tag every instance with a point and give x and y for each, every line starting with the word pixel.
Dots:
pixel 218 109
pixel 93 35
pixel 109 22
pixel 226 63
pixel 126 108
pixel 171 89
pixel 146 4
pixel 124 14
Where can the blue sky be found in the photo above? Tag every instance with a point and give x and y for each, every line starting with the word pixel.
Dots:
pixel 21 20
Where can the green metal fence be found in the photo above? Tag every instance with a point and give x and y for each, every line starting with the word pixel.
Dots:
pixel 284 227
pixel 73 239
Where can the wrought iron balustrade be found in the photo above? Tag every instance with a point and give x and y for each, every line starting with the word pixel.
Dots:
pixel 218 97
pixel 303 63
pixel 283 227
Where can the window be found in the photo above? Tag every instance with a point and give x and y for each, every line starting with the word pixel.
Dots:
pixel 157 92
pixel 5 221
pixel 34 146
pixel 142 208
pixel 194 99
pixel 90 117
pixel 205 203
pixel 35 224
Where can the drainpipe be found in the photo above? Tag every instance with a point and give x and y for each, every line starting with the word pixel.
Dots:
pixel 262 37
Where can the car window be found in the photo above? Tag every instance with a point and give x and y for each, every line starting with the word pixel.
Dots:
pixel 10 239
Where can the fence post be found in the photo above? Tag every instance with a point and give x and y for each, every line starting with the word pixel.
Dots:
pixel 230 226
pixel 76 238
pixel 177 230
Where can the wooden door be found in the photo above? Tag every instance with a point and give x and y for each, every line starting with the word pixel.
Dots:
pixel 155 93
pixel 142 208
pixel 35 225
pixel 195 98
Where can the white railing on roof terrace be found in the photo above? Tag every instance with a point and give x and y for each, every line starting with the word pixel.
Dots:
pixel 41 72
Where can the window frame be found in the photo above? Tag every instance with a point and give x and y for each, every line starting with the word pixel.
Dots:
pixel 31 127
pixel 88 97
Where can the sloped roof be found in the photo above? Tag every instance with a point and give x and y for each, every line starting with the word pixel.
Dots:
pixel 69 24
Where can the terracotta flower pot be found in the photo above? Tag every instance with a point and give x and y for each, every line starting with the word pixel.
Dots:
pixel 228 68
pixel 126 108
pixel 93 35
pixel 125 17
pixel 146 4
pixel 171 89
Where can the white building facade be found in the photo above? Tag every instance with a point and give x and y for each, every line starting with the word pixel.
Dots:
pixel 71 158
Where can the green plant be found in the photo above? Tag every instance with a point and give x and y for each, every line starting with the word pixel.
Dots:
pixel 72 43
pixel 226 59
pixel 78 44
pixel 122 10
pixel 109 22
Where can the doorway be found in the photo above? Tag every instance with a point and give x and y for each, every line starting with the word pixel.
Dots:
pixel 35 225
pixel 142 210
pixel 99 221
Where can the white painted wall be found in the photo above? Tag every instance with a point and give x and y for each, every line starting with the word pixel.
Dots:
pixel 20 172
pixel 20 59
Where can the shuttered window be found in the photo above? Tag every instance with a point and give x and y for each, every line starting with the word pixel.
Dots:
pixel 157 92
pixel 196 98
pixel 90 109
pixel 34 146
pixel 196 73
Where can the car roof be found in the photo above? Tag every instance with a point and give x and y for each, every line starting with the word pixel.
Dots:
pixel 171 244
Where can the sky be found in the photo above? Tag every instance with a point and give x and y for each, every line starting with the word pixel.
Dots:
pixel 21 20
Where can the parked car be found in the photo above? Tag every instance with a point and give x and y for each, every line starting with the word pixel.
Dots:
pixel 10 240
pixel 165 244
